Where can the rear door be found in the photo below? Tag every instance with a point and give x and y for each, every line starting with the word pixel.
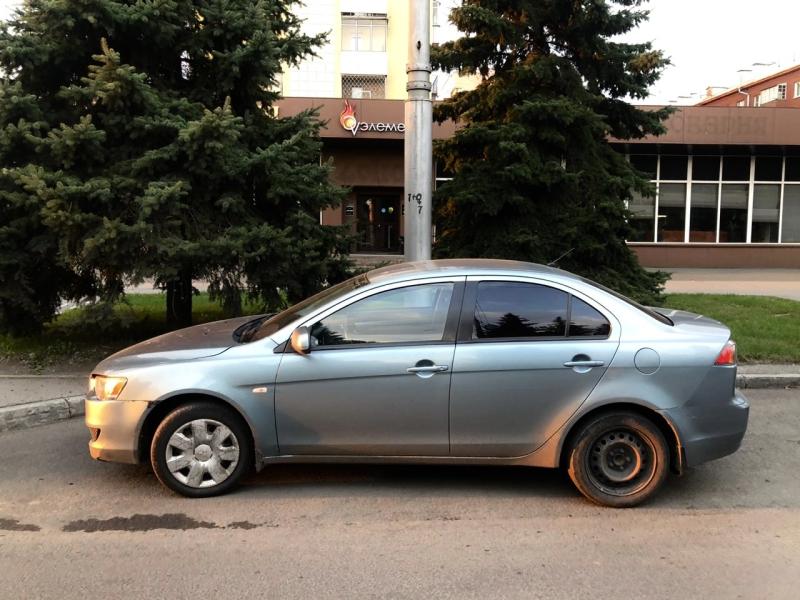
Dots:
pixel 528 354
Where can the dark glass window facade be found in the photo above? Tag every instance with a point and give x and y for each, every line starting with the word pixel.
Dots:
pixel 718 199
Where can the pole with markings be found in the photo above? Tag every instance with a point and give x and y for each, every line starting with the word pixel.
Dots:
pixel 418 135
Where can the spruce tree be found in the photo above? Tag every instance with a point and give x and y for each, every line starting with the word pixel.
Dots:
pixel 138 138
pixel 534 176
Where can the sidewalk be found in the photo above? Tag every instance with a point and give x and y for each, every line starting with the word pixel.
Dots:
pixel 22 389
pixel 31 400
pixel 783 283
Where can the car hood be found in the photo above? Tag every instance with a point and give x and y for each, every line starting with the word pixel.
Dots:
pixel 200 341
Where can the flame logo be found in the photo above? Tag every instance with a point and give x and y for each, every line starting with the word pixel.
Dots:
pixel 347 118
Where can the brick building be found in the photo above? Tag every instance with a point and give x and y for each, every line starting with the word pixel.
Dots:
pixel 777 90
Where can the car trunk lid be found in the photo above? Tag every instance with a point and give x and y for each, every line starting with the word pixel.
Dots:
pixel 694 323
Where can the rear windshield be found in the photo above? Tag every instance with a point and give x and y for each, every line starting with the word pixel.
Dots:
pixel 645 309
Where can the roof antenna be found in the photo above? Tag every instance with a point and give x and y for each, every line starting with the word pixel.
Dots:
pixel 555 262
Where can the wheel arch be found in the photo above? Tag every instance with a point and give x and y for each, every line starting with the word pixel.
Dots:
pixel 165 406
pixel 664 425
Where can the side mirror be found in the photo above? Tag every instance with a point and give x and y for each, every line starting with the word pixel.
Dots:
pixel 301 340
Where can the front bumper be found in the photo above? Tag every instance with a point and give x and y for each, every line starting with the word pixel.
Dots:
pixel 115 426
pixel 710 432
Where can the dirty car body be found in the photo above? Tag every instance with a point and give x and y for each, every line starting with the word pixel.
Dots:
pixel 462 361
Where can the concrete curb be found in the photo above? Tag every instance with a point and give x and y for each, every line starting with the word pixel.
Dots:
pixel 36 376
pixel 775 381
pixel 43 412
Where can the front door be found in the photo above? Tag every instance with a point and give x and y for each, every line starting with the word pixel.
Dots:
pixel 377 379
pixel 378 223
pixel 527 357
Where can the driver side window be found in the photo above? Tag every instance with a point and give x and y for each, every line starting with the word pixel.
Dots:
pixel 405 315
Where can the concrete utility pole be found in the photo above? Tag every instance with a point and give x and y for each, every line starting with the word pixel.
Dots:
pixel 418 139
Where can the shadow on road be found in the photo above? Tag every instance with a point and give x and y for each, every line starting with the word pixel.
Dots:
pixel 52 462
pixel 435 480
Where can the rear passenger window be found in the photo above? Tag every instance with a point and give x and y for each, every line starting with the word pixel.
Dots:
pixel 519 310
pixel 585 321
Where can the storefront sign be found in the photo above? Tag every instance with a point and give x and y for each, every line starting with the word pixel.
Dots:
pixel 348 121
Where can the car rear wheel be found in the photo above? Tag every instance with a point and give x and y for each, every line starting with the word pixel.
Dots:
pixel 201 449
pixel 619 459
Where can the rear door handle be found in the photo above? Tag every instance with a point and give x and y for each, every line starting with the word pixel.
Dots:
pixel 428 369
pixel 584 363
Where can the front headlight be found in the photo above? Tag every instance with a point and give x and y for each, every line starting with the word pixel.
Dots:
pixel 107 388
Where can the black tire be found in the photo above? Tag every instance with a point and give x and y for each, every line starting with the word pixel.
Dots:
pixel 618 459
pixel 178 423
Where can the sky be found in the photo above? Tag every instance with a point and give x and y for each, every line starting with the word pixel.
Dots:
pixel 708 41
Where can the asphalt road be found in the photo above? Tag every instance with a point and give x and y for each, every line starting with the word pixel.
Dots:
pixel 74 528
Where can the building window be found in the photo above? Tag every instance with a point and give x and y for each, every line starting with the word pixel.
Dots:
pixel 793 168
pixel 671 212
pixel 717 199
pixel 705 168
pixel 673 168
pixel 736 168
pixel 776 92
pixel 733 213
pixel 642 210
pixel 441 174
pixel 363 86
pixel 768 168
pixel 647 164
pixel 365 33
pixel 703 217
pixel 790 230
pixel 797 89
pixel 766 213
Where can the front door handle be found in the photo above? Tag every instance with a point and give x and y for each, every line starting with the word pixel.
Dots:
pixel 584 363
pixel 428 369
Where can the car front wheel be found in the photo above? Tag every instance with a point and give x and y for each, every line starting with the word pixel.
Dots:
pixel 619 459
pixel 201 449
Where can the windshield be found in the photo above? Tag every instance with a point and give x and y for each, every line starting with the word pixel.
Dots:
pixel 306 307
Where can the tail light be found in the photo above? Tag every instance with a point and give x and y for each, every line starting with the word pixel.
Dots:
pixel 727 355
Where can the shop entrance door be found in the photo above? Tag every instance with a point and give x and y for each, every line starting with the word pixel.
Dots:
pixel 378 223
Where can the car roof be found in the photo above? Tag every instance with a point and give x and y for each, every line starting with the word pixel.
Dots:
pixel 463 266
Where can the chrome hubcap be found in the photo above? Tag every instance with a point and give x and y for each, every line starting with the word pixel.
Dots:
pixel 621 462
pixel 203 453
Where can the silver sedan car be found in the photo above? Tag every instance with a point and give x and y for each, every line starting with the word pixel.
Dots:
pixel 458 362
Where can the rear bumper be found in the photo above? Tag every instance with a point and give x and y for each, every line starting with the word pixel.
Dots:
pixel 115 426
pixel 710 432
